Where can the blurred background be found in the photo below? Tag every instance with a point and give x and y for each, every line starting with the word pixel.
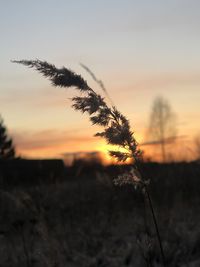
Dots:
pixel 141 50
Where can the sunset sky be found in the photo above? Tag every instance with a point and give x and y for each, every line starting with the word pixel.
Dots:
pixel 140 49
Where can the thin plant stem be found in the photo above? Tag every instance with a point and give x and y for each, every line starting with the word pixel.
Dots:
pixel 148 260
pixel 99 82
pixel 155 222
pixel 156 225
pixel 26 253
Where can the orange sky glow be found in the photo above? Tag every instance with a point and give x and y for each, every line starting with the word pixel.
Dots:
pixel 140 50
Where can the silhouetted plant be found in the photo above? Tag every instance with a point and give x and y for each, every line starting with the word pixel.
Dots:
pixel 116 127
pixel 99 82
pixel 7 150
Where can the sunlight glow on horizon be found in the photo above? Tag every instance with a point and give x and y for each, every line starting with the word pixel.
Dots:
pixel 140 50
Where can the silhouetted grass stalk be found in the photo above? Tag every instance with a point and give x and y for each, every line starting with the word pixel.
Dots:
pixel 99 82
pixel 116 127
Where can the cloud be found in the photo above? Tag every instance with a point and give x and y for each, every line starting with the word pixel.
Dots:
pixel 161 80
pixel 47 97
pixel 55 141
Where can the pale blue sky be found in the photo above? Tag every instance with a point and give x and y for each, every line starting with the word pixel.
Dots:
pixel 140 49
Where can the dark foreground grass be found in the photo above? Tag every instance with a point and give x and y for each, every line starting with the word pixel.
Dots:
pixel 86 221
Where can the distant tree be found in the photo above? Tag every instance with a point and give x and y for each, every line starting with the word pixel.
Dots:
pixel 162 125
pixel 7 150
pixel 197 147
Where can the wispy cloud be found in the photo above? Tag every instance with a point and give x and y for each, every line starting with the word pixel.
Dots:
pixel 50 141
pixel 160 80
pixel 41 98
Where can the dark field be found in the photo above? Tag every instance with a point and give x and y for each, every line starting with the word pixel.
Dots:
pixel 81 219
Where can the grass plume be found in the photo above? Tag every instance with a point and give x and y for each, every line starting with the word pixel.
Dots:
pixel 116 127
